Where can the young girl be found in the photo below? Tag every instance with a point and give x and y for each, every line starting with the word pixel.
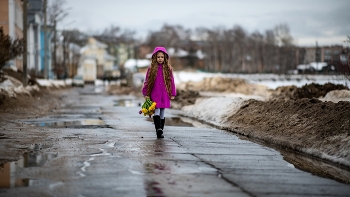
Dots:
pixel 159 86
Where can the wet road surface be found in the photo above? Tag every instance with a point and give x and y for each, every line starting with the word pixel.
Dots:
pixel 100 146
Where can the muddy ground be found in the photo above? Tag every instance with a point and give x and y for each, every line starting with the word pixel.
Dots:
pixel 24 107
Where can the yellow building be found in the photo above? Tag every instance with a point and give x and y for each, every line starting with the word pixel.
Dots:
pixel 97 50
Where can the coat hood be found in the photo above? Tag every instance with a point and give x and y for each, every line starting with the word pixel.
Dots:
pixel 160 49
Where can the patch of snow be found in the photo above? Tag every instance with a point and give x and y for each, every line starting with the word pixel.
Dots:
pixel 99 82
pixel 234 95
pixel 214 110
pixel 51 83
pixel 133 64
pixel 184 76
pixel 337 95
pixel 7 84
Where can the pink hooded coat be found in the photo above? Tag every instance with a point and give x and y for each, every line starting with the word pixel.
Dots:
pixel 159 93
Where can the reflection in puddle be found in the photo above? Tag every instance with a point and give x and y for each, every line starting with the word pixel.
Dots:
pixel 24 183
pixel 126 103
pixel 306 163
pixel 152 185
pixel 317 167
pixel 174 121
pixel 153 188
pixel 78 110
pixel 70 123
pixel 33 158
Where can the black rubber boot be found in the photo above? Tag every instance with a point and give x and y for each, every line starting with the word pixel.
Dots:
pixel 162 122
pixel 157 123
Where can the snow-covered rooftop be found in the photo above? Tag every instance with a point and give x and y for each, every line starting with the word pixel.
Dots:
pixel 132 64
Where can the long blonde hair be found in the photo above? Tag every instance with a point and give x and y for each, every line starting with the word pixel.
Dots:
pixel 152 74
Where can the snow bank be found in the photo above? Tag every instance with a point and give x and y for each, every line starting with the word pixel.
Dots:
pixel 51 83
pixel 13 87
pixel 337 95
pixel 214 110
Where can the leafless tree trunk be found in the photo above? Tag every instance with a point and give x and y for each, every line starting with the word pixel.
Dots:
pixel 56 13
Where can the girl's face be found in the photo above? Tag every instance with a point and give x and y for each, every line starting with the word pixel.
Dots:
pixel 160 57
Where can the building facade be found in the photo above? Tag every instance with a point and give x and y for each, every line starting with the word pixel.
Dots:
pixel 11 19
pixel 35 18
pixel 95 49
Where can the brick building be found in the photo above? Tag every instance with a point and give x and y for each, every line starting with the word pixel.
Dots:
pixel 11 19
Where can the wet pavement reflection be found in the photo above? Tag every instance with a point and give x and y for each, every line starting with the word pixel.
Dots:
pixel 152 186
pixel 317 166
pixel 307 163
pixel 49 123
pixel 174 121
pixel 127 103
pixel 33 157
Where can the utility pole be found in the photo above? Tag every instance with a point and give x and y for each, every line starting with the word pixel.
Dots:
pixel 316 57
pixel 54 61
pixel 45 40
pixel 25 54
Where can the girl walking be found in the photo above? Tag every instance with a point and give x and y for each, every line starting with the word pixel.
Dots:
pixel 159 86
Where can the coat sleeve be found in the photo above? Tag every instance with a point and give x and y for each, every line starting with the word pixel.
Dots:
pixel 145 86
pixel 173 88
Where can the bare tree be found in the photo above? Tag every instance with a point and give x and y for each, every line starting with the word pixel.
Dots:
pixel 282 35
pixel 9 48
pixel 233 50
pixel 169 36
pixel 57 13
pixel 256 46
pixel 70 55
pixel 114 35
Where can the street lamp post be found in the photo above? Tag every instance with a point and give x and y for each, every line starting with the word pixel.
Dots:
pixel 25 53
pixel 45 41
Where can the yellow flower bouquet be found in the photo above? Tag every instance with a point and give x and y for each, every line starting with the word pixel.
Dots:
pixel 148 107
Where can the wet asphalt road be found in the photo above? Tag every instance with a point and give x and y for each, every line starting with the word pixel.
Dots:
pixel 100 146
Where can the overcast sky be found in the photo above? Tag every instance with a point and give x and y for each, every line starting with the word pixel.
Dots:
pixel 325 21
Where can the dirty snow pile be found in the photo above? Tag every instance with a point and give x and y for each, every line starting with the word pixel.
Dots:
pixel 11 84
pixel 12 87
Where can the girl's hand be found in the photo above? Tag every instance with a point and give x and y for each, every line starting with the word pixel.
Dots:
pixel 146 97
pixel 172 97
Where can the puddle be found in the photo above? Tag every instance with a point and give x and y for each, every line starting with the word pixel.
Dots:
pixel 69 123
pixel 33 158
pixel 313 165
pixel 126 103
pixel 20 183
pixel 78 111
pixel 317 166
pixel 153 188
pixel 174 121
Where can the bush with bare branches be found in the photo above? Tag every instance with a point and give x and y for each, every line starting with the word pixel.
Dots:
pixel 9 48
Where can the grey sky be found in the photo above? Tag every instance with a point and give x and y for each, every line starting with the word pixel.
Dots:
pixel 325 21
